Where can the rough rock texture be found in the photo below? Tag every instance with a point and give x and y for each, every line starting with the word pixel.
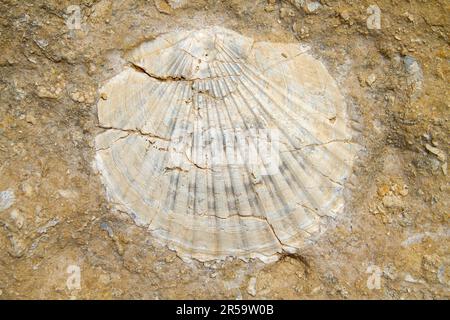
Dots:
pixel 224 146
pixel 392 239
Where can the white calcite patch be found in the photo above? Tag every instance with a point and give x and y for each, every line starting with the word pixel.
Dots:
pixel 223 146
pixel 7 199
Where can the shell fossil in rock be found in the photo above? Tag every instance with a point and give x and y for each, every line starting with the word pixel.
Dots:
pixel 223 146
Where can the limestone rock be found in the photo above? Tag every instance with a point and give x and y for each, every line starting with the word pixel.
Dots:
pixel 251 288
pixel 7 199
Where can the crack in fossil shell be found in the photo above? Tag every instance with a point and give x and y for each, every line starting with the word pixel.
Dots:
pixel 154 76
pixel 137 131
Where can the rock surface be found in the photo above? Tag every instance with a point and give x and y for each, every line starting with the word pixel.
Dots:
pixel 70 224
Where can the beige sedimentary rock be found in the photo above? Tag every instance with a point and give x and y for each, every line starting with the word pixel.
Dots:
pixel 223 146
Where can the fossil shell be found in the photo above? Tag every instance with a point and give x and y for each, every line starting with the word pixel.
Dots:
pixel 183 122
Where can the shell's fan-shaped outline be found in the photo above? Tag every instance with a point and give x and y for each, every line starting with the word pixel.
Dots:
pixel 216 82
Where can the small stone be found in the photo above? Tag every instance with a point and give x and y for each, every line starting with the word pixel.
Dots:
pixel 437 152
pixel 426 136
pixel 345 15
pixel 409 278
pixel 316 290
pixel 311 6
pixel 30 118
pixel 17 218
pixel 77 97
pixel 7 199
pixel 251 289
pixel 51 93
pixel 42 43
pixel 18 247
pixel 92 69
pixel 53 222
pixel 371 79
pixel 177 4
pixel 390 201
pixel 119 247
pixel 104 96
pixel 409 16
pixel 404 191
pixel 81 97
pixel 411 65
pixel 48 89
pixel 415 75
pixel 302 31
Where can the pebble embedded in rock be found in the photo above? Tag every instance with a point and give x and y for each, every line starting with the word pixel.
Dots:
pixel 251 289
pixel 437 152
pixel 311 6
pixel 7 199
pixel 391 201
pixel 17 218
pixel 415 75
pixel 371 79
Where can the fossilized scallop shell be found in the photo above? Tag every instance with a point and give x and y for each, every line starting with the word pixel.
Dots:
pixel 192 103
